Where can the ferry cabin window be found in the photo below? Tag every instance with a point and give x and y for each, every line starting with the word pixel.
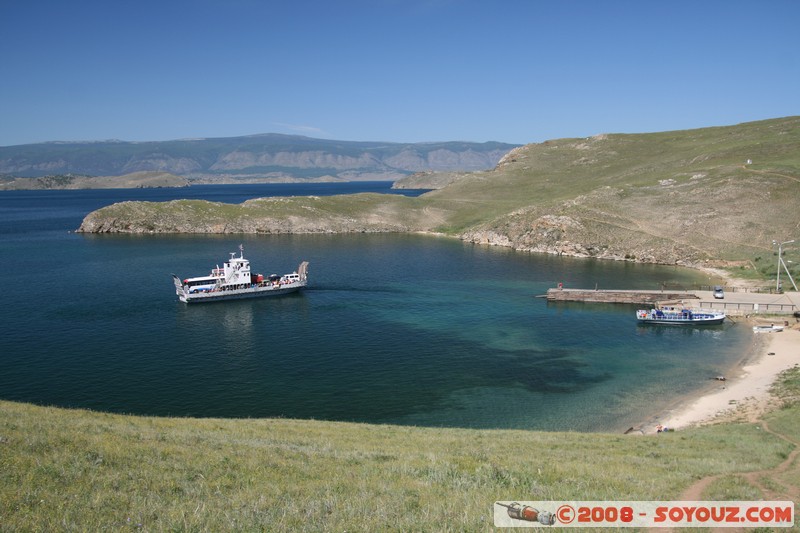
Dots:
pixel 201 282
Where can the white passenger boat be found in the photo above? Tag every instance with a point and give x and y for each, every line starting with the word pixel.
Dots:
pixel 767 329
pixel 235 281
pixel 671 316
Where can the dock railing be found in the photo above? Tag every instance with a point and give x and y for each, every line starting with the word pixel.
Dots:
pixel 748 307
pixel 756 290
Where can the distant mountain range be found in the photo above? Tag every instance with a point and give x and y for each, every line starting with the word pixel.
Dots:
pixel 254 158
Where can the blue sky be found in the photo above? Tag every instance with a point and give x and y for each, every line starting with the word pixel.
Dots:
pixel 517 71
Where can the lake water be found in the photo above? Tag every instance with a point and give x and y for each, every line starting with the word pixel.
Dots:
pixel 401 329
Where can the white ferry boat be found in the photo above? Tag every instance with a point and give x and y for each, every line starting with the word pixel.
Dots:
pixel 672 316
pixel 235 281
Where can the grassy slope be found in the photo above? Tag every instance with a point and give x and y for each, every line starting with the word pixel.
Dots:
pixel 687 189
pixel 62 469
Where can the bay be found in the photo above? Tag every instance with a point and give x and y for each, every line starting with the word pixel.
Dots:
pixel 401 329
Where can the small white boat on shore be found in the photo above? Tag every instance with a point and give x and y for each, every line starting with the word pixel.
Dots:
pixel 767 329
pixel 234 281
pixel 671 316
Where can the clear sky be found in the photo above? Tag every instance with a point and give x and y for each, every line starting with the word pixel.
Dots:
pixel 517 71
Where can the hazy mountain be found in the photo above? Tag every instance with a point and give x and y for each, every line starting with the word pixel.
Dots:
pixel 267 157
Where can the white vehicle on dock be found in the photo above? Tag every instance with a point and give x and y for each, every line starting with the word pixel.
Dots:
pixel 235 281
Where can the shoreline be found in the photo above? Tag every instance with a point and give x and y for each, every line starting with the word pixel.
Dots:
pixel 745 394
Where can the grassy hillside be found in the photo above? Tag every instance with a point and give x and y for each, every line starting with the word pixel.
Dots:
pixel 365 212
pixel 62 469
pixel 668 197
pixel 681 197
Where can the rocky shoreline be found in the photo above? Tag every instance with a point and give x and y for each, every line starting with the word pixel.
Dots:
pixel 187 217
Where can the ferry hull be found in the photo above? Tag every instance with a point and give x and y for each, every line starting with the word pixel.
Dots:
pixel 697 322
pixel 234 294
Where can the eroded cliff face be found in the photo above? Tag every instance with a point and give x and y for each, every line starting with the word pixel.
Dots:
pixel 238 160
pixel 554 237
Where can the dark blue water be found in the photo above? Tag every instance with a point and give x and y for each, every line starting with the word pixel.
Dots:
pixel 403 329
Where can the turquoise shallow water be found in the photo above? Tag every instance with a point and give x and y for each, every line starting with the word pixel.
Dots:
pixel 399 329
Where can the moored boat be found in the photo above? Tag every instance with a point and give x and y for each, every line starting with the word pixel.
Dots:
pixel 672 316
pixel 235 281
pixel 767 329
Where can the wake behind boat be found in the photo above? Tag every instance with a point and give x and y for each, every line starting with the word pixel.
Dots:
pixel 671 316
pixel 235 281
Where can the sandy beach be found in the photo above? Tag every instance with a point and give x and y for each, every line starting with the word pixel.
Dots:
pixel 746 393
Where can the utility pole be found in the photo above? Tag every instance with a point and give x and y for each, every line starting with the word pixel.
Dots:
pixel 782 263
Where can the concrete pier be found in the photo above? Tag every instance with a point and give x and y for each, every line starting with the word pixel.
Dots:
pixel 617 296
pixel 734 303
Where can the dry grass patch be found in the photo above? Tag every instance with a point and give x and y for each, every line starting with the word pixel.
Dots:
pixel 72 469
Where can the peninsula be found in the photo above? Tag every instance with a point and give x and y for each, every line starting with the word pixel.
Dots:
pixel 134 180
pixel 713 197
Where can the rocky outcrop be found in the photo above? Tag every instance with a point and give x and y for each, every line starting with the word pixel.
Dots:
pixel 261 225
pixel 161 163
pixel 260 216
pixel 665 254
pixel 571 236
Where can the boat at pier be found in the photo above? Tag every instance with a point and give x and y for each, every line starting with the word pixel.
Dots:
pixel 672 316
pixel 767 329
pixel 235 281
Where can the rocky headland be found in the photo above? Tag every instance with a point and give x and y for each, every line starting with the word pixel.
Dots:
pixel 711 197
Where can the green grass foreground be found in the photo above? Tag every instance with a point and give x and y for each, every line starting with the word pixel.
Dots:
pixel 79 470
